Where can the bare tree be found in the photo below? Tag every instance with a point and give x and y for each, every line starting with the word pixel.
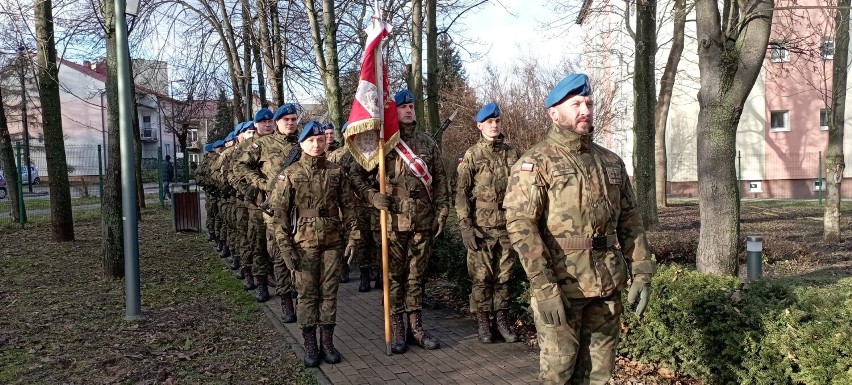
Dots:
pixel 7 161
pixel 112 257
pixel 732 47
pixel 834 164
pixel 644 90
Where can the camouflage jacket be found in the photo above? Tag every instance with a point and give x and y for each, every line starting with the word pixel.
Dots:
pixel 562 192
pixel 411 207
pixel 481 183
pixel 261 162
pixel 202 171
pixel 311 204
pixel 218 172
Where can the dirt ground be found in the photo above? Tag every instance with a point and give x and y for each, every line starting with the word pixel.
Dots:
pixel 61 323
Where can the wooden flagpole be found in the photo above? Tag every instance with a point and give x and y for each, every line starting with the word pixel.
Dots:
pixel 383 218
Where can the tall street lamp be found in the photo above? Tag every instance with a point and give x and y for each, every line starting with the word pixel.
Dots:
pixel 24 126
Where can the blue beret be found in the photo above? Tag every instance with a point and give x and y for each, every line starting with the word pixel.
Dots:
pixel 574 84
pixel 488 111
pixel 343 129
pixel 329 126
pixel 230 136
pixel 404 96
pixel 263 114
pixel 246 126
pixel 218 144
pixel 286 109
pixel 313 128
pixel 208 147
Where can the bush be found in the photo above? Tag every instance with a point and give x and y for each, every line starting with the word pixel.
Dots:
pixel 149 176
pixel 772 332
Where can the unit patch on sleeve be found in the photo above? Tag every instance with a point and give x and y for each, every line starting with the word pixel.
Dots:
pixel 527 166
pixel 614 175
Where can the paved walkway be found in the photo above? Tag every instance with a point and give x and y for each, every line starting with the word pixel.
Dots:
pixel 360 338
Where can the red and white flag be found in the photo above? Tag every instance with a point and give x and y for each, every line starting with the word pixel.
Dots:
pixel 368 113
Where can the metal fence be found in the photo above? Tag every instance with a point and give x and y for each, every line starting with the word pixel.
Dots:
pixel 85 177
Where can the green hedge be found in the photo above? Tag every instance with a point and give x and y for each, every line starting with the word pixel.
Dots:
pixel 771 332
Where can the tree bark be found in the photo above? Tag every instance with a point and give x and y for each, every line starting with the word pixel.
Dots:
pixel 247 53
pixel 112 259
pixel 62 219
pixel 644 96
pixel 432 86
pixel 417 59
pixel 7 161
pixel 834 163
pixel 270 48
pixel 730 54
pixel 137 145
pixel 331 76
pixel 661 109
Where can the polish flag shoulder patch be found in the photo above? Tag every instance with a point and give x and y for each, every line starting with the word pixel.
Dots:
pixel 281 177
pixel 254 146
pixel 460 160
pixel 527 166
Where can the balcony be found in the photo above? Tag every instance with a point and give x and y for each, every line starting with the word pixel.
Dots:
pixel 193 145
pixel 148 135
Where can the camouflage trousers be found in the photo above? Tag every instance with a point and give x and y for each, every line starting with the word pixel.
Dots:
pixel 490 268
pixel 223 221
pixel 366 251
pixel 212 207
pixel 408 254
pixel 241 226
pixel 258 257
pixel 583 350
pixel 283 274
pixel 317 273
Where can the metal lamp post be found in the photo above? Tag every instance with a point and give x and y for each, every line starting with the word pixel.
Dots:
pixel 174 122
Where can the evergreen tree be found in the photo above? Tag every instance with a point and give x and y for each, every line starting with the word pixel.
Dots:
pixel 224 119
pixel 451 72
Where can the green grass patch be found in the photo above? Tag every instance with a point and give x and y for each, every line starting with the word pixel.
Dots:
pixel 44 203
pixel 13 364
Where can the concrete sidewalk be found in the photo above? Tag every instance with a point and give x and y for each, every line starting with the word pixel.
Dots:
pixel 360 338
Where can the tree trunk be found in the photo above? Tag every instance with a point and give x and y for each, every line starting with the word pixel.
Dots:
pixel 643 120
pixel 236 70
pixel 834 164
pixel 137 144
pixel 661 109
pixel 331 76
pixel 7 161
pixel 432 86
pixel 730 54
pixel 112 258
pixel 270 47
pixel 416 85
pixel 247 52
pixel 62 219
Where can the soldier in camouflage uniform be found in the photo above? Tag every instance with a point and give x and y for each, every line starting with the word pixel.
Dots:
pixel 330 141
pixel 257 266
pixel 237 210
pixel 225 194
pixel 480 186
pixel 308 203
pixel 416 214
pixel 201 174
pixel 572 216
pixel 363 251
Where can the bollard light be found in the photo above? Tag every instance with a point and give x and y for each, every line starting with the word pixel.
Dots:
pixel 754 257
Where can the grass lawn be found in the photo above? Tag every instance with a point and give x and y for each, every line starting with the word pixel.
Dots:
pixel 44 203
pixel 63 323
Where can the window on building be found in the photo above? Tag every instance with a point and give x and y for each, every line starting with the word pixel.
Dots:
pixel 779 121
pixel 755 186
pixel 147 131
pixel 827 47
pixel 779 52
pixel 824 118
pixel 192 135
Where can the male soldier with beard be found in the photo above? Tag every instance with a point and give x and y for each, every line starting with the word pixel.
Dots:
pixel 480 187
pixel 417 202
pixel 313 213
pixel 573 218
pixel 246 165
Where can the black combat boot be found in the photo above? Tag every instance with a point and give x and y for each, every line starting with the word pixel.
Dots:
pixel 262 289
pixel 344 273
pixel 418 335
pixel 270 280
pixel 249 283
pixel 379 281
pixel 364 286
pixel 398 334
pixel 312 359
pixel 483 321
pixel 210 237
pixel 502 317
pixel 235 261
pixel 329 353
pixel 224 252
pixel 288 315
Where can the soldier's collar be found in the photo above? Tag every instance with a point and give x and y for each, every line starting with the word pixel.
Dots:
pixel 406 130
pixel 572 140
pixel 496 144
pixel 312 162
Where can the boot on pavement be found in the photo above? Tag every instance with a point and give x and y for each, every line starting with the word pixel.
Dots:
pixel 288 315
pixel 398 334
pixel 262 289
pixel 344 274
pixel 483 320
pixel 364 285
pixel 312 359
pixel 249 283
pixel 502 317
pixel 327 350
pixel 418 335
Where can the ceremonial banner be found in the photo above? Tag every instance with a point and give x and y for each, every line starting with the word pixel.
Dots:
pixel 369 114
